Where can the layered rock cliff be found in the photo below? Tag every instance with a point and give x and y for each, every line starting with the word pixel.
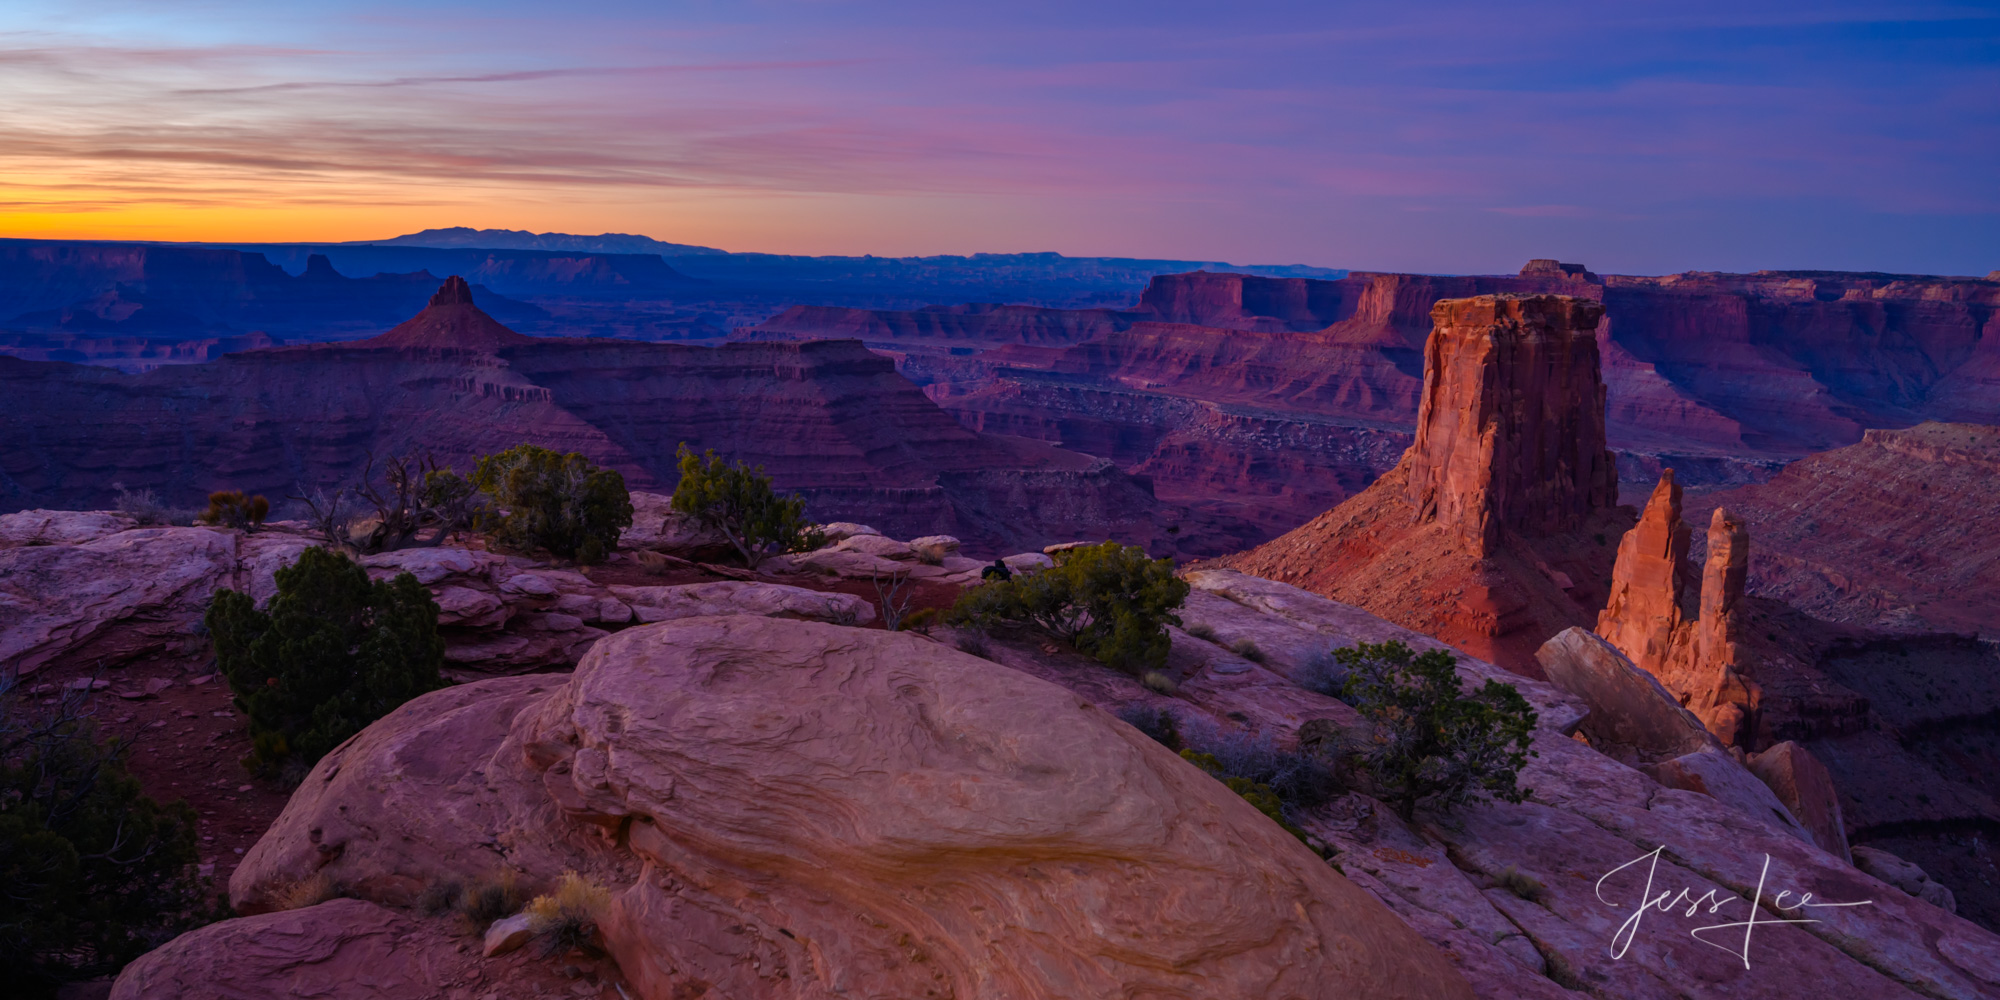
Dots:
pixel 1892 532
pixel 1490 533
pixel 829 419
pixel 1722 377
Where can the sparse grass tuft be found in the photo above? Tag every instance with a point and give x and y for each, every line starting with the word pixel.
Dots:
pixel 1247 649
pixel 1201 630
pixel 1159 683
pixel 490 899
pixel 1522 884
pixel 310 891
pixel 975 643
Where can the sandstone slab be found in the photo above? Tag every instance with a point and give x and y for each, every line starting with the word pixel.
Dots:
pixel 732 597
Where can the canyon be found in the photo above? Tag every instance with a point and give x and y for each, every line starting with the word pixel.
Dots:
pixel 1218 385
pixel 830 420
pixel 780 798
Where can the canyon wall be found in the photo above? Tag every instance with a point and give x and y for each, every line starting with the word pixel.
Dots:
pixel 829 419
pixel 1721 377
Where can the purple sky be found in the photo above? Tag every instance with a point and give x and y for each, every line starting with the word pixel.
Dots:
pixel 1428 137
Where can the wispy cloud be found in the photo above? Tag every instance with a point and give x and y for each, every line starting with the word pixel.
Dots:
pixel 1286 131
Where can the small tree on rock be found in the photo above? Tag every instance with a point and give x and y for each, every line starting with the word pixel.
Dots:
pixel 1110 601
pixel 232 509
pixel 334 653
pixel 93 873
pixel 558 502
pixel 738 501
pixel 1432 741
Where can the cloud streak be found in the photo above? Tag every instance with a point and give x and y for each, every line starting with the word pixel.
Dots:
pixel 1442 137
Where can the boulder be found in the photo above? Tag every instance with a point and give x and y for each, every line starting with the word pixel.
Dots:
pixel 1050 550
pixel 838 531
pixel 1028 562
pixel 113 597
pixel 1631 716
pixel 1905 876
pixel 731 597
pixel 431 565
pixel 657 526
pixel 933 548
pixel 792 810
pixel 1806 788
pixel 887 798
pixel 344 949
pixel 60 527
pixel 507 934
pixel 875 545
pixel 1713 772
pixel 835 561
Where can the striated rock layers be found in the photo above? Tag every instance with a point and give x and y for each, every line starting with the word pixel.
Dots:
pixel 787 809
pixel 829 419
pixel 1894 532
pixel 1696 656
pixel 1482 534
pixel 1720 376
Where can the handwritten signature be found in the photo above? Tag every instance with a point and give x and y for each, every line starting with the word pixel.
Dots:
pixel 1667 901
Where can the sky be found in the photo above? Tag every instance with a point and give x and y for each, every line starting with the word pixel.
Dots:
pixel 1636 138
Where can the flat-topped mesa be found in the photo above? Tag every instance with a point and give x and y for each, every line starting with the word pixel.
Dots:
pixel 1510 427
pixel 1698 659
pixel 1548 267
pixel 451 323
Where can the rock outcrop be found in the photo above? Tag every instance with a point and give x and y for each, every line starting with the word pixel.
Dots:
pixel 1510 430
pixel 747 787
pixel 1480 535
pixel 1698 658
pixel 791 809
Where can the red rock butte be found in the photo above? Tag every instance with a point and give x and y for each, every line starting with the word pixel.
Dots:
pixel 450 322
pixel 1492 532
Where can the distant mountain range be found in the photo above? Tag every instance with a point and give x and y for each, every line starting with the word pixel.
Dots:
pixel 521 239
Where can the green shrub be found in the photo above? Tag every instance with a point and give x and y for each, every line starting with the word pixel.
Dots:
pixel 231 509
pixel 1254 792
pixel 738 501
pixel 334 653
pixel 1431 740
pixel 561 503
pixel 1109 601
pixel 92 872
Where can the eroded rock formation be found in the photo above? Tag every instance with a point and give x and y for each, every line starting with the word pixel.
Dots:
pixel 1721 376
pixel 1696 656
pixel 1510 432
pixel 1490 531
pixel 798 810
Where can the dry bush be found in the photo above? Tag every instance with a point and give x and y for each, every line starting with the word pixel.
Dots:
pixel 1159 683
pixel 310 891
pixel 567 918
pixel 1201 630
pixel 1248 650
